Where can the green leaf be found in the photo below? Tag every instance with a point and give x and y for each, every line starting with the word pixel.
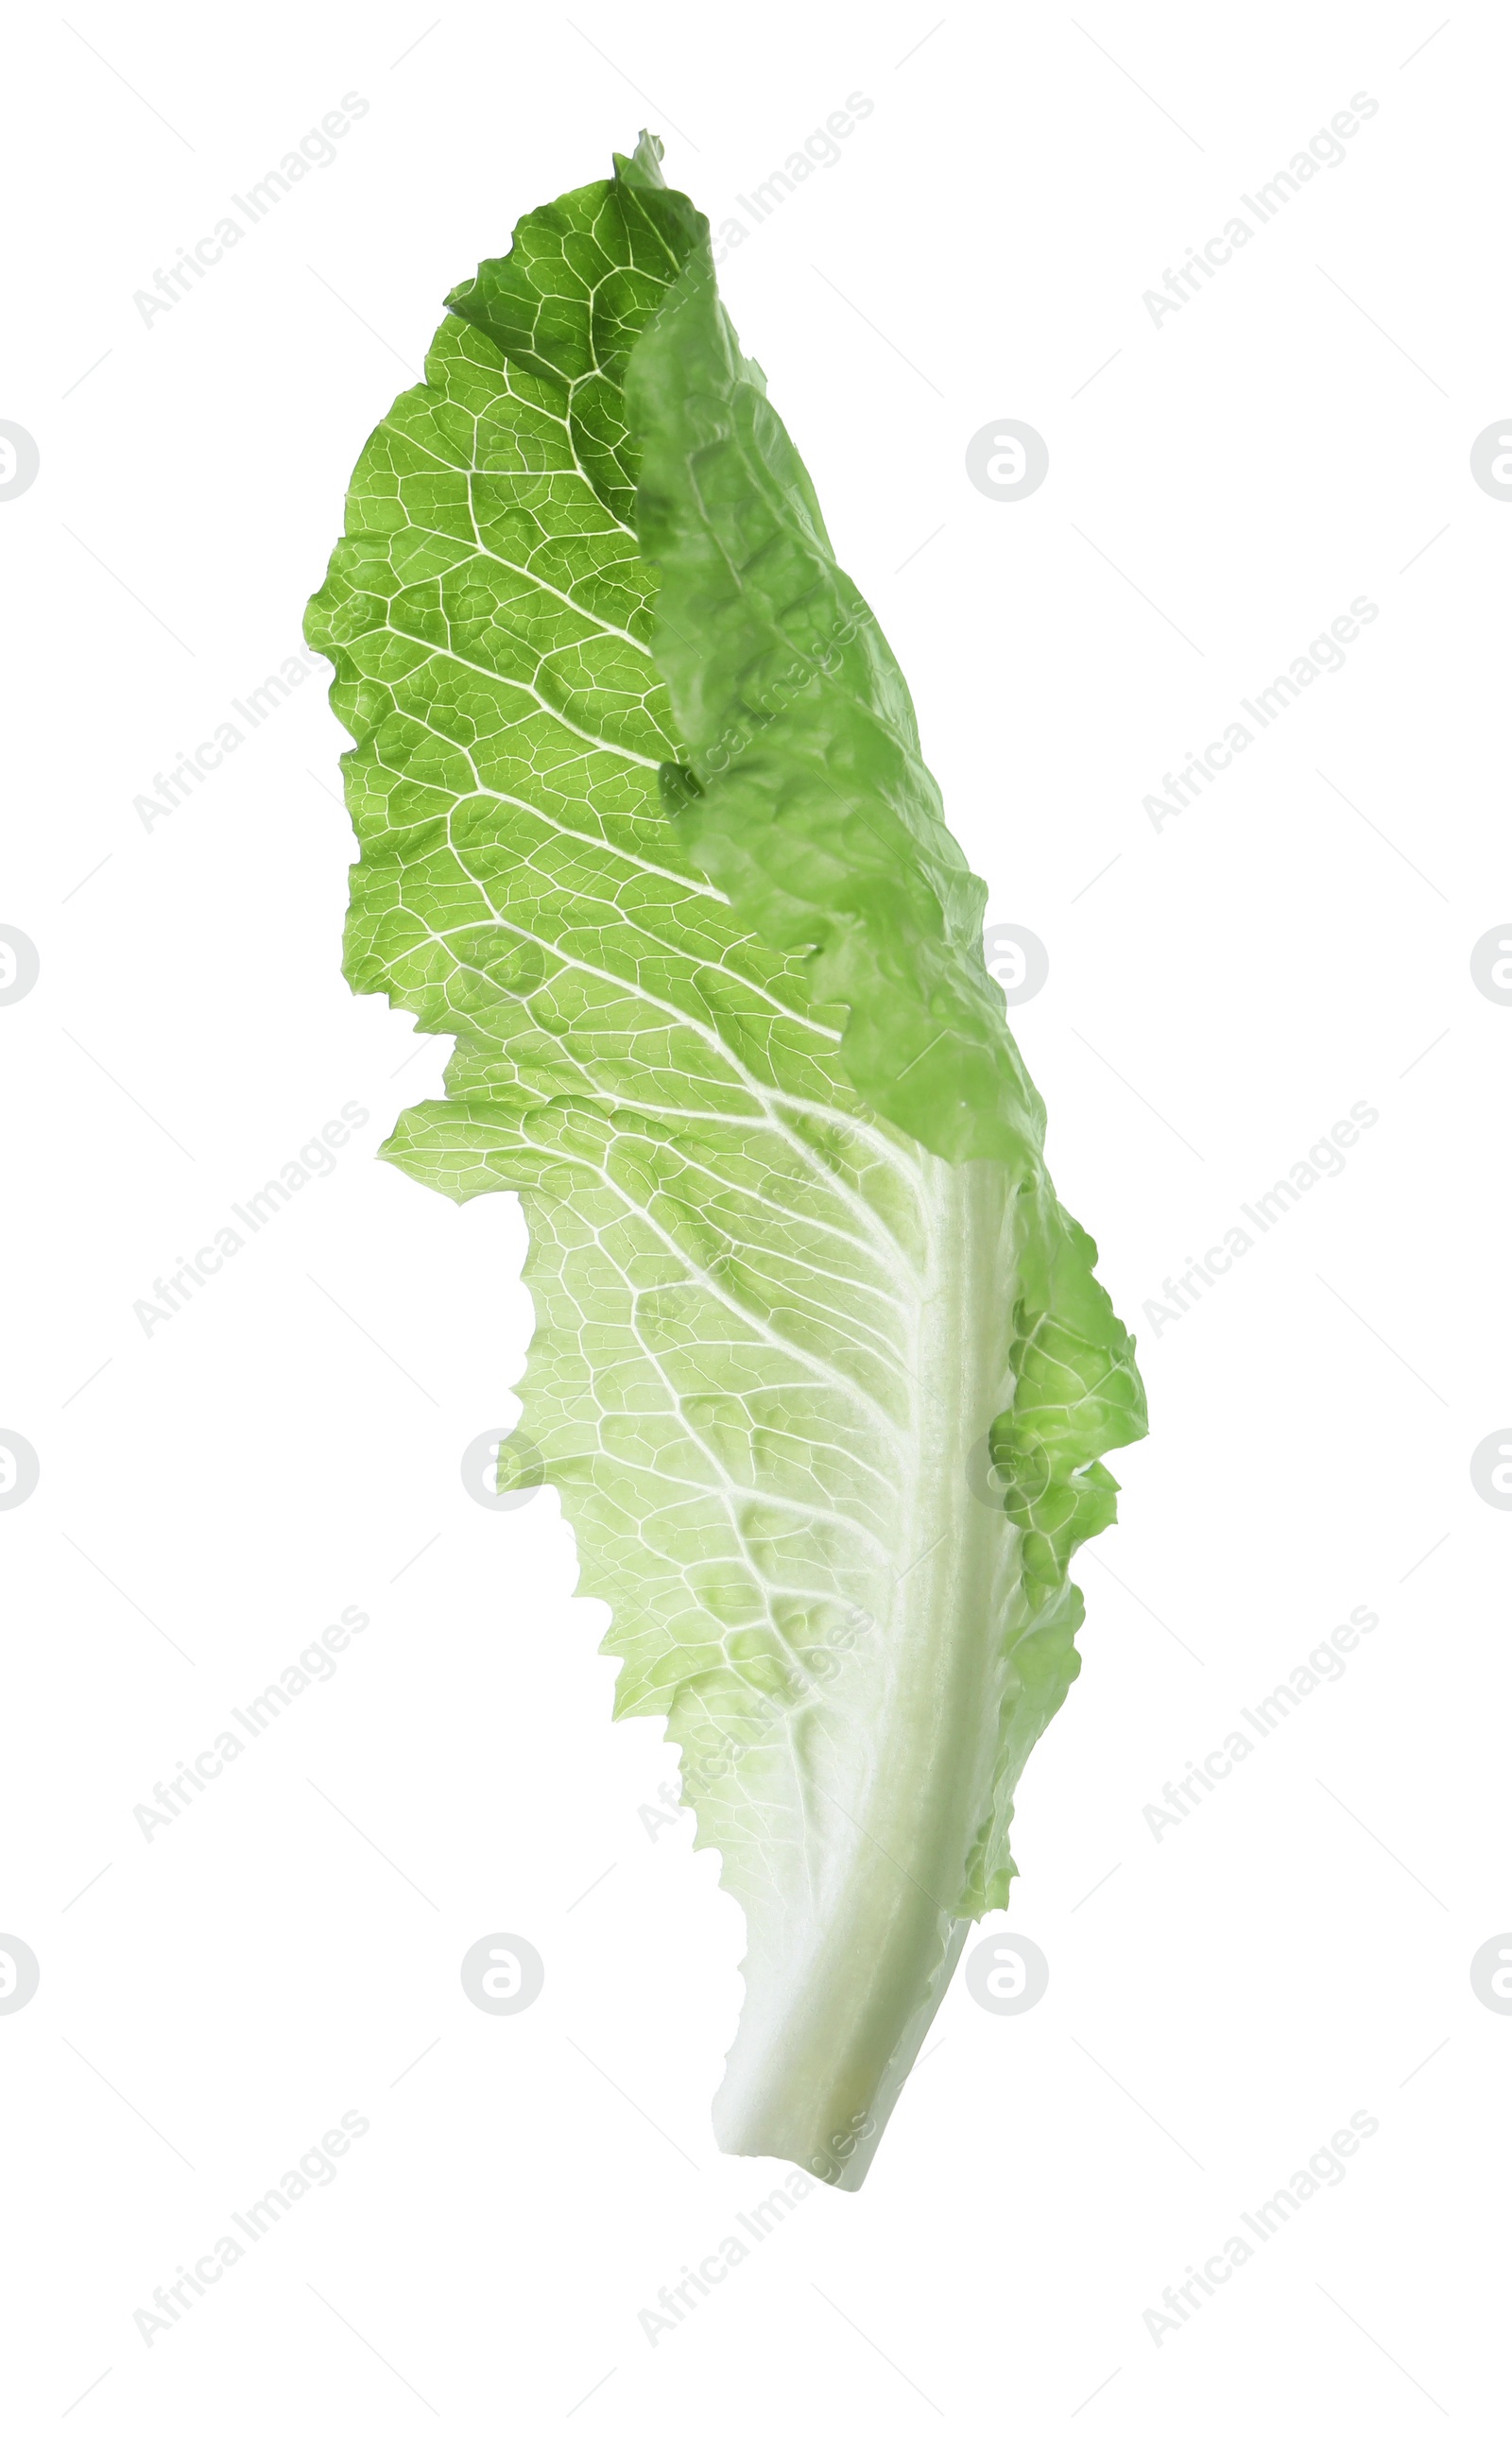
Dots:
pixel 821 1368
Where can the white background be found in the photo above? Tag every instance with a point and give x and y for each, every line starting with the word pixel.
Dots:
pixel 1221 991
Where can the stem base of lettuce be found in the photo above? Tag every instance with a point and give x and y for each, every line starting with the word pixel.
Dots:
pixel 851 1946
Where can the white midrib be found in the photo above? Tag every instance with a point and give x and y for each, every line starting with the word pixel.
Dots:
pixel 845 1967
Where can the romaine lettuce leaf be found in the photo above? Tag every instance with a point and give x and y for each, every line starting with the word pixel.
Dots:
pixel 820 1371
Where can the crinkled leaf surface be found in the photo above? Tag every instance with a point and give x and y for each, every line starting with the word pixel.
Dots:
pixel 820 1367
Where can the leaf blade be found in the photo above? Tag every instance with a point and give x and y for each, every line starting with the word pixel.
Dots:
pixel 800 1279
